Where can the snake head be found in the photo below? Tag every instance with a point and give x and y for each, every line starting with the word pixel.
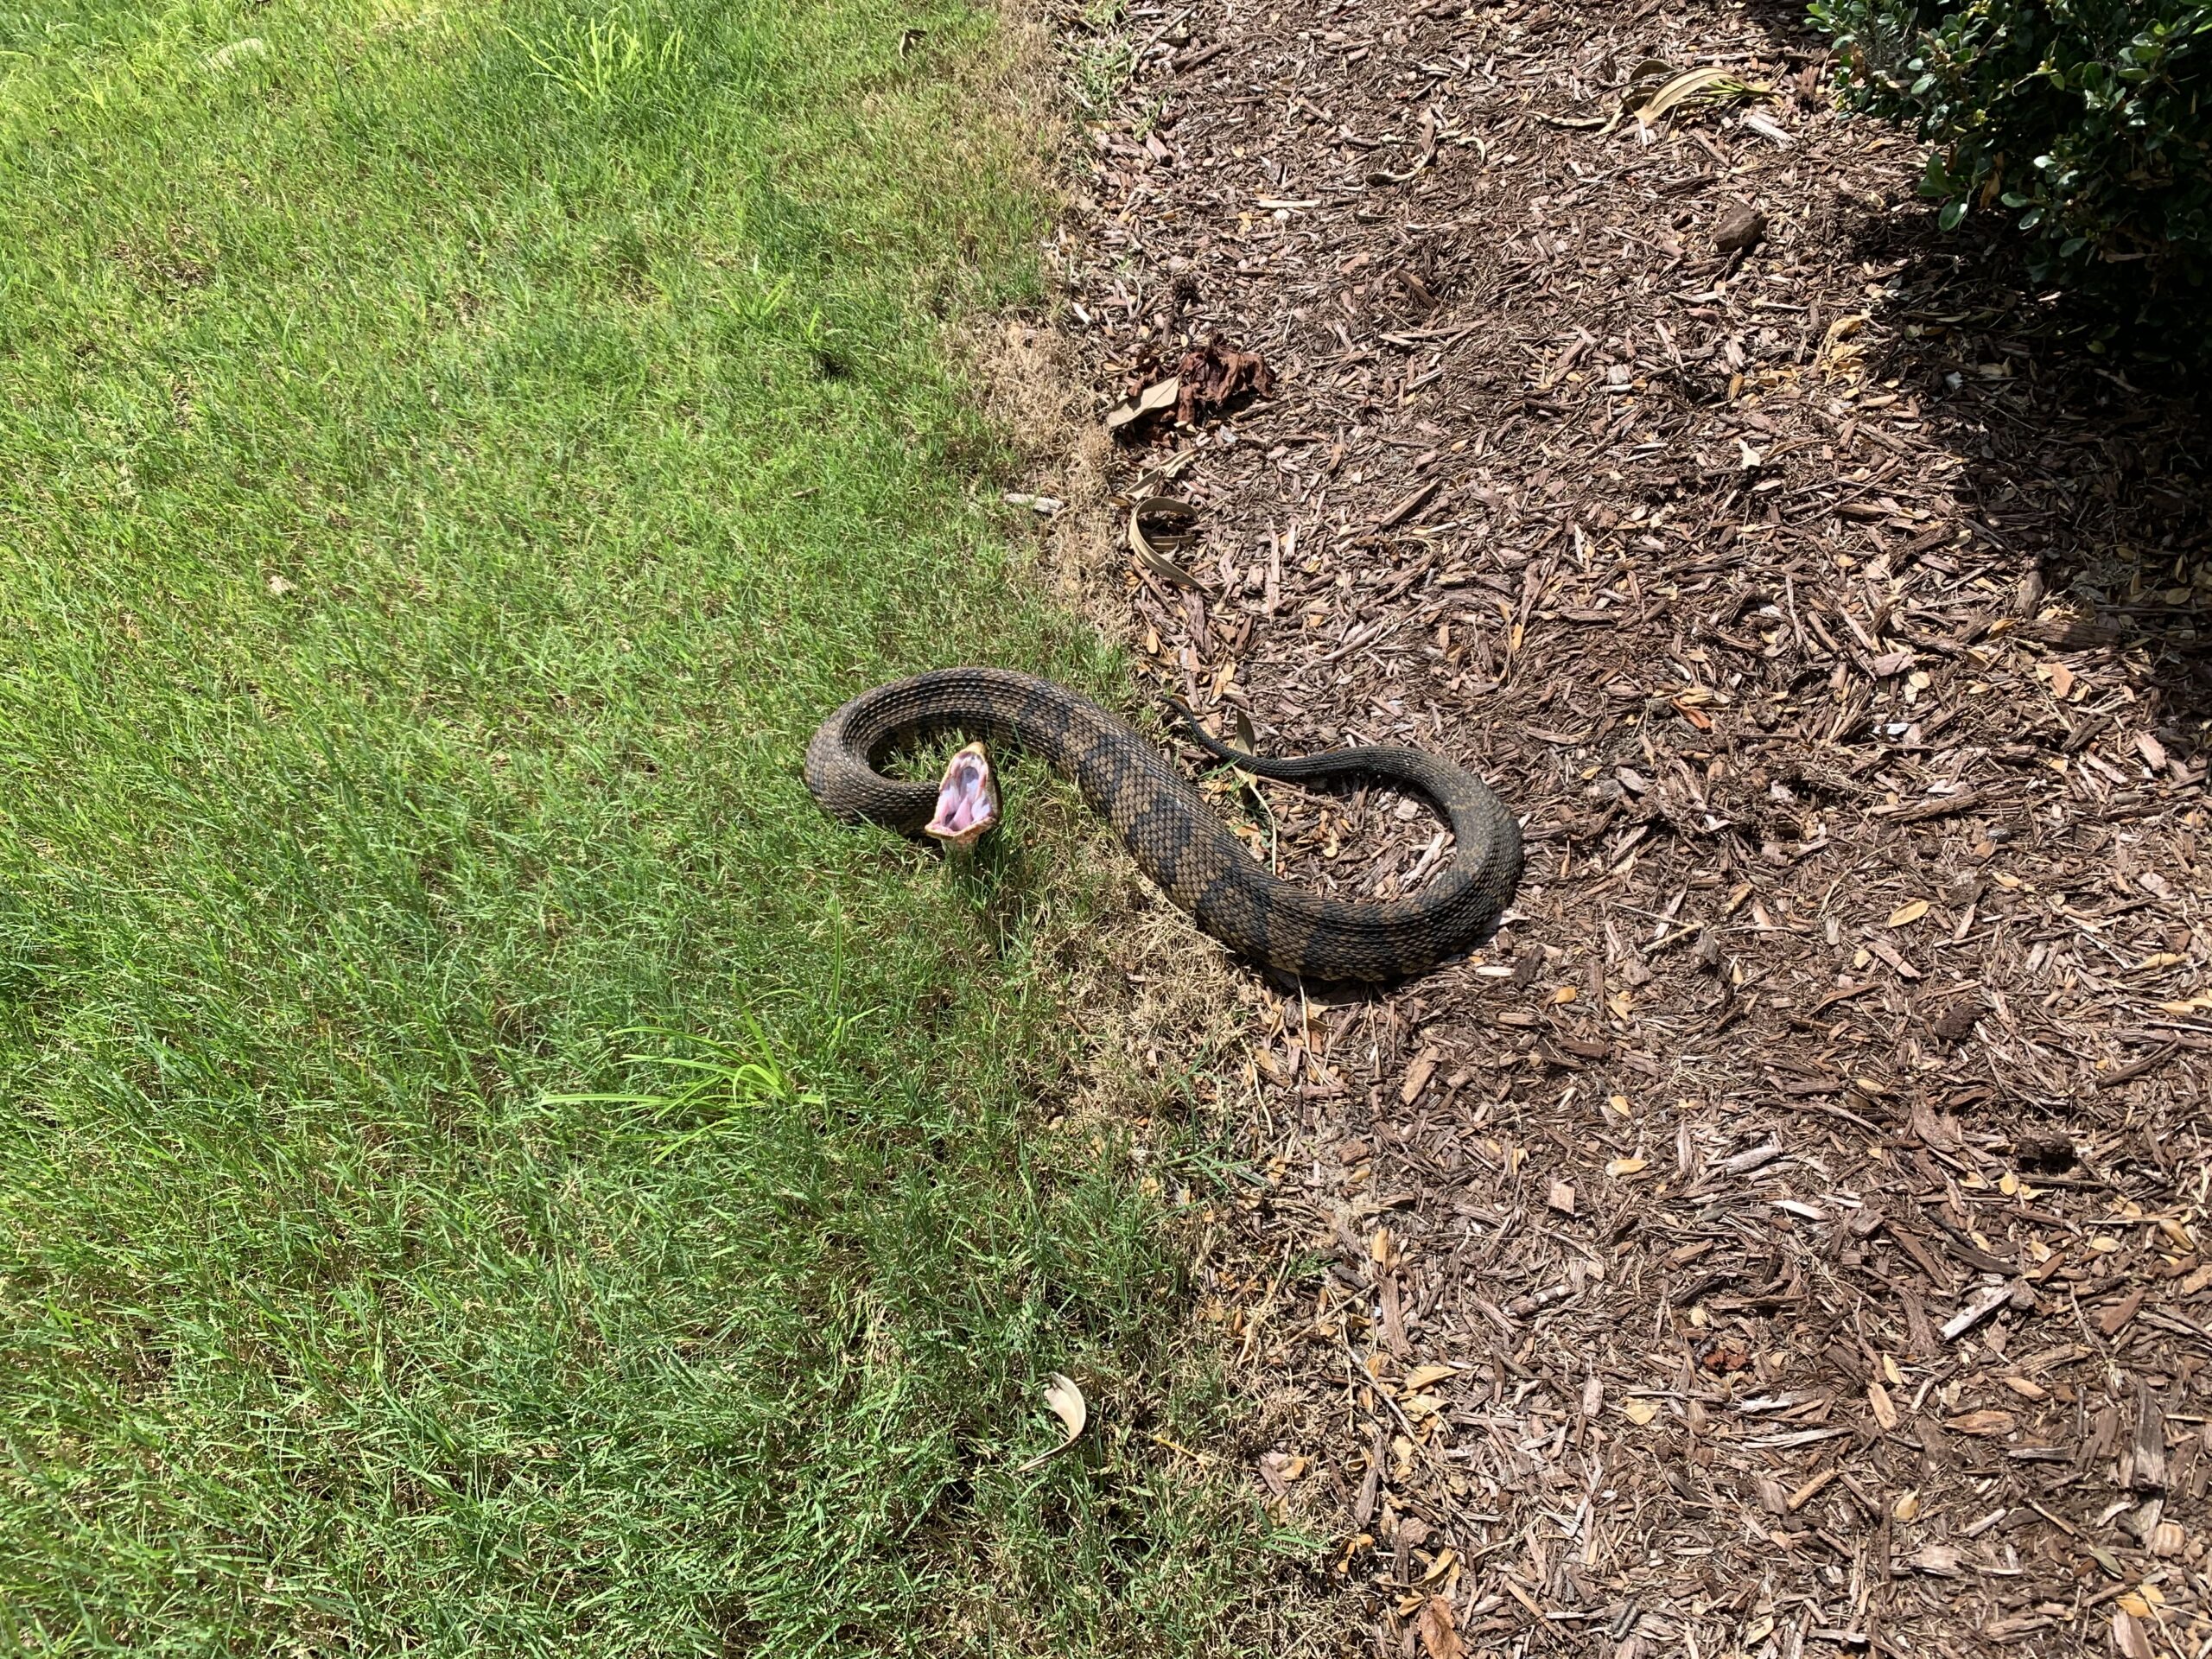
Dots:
pixel 967 799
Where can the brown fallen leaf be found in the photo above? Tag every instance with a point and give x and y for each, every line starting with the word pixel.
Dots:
pixel 1067 1403
pixel 1278 1469
pixel 1133 410
pixel 1439 1639
pixel 2131 1637
pixel 1161 518
pixel 1212 375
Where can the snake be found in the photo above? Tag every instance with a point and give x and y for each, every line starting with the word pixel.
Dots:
pixel 1190 854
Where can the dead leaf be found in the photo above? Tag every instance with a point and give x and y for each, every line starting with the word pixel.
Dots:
pixel 1709 84
pixel 1904 915
pixel 1421 1376
pixel 2129 1636
pixel 1161 517
pixel 1133 411
pixel 1067 1403
pixel 1619 1168
pixel 1211 376
pixel 1278 1469
pixel 1638 1412
pixel 2062 679
pixel 1439 1638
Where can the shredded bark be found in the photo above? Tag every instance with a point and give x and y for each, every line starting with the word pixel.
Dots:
pixel 1788 1232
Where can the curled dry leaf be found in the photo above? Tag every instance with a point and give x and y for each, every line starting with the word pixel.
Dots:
pixel 1134 411
pixel 1157 518
pixel 1213 375
pixel 1067 1404
pixel 1709 84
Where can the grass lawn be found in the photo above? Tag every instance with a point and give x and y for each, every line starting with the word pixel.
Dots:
pixel 451 453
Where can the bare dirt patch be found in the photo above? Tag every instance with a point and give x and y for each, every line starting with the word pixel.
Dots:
pixel 1788 1235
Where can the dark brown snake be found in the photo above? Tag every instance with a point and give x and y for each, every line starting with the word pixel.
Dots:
pixel 1192 856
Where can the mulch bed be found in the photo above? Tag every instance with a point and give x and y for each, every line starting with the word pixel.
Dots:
pixel 1788 1235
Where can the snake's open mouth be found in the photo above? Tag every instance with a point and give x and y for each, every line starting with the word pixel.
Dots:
pixel 967 799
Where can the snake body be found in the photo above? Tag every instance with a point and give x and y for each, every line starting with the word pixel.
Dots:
pixel 1191 853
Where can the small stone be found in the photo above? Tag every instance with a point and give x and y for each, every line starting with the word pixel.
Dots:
pixel 1741 229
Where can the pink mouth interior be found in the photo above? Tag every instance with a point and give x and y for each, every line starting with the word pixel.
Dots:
pixel 967 800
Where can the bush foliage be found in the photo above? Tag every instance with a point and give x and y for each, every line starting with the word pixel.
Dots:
pixel 2088 121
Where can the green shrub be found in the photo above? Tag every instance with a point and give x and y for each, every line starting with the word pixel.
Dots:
pixel 2090 121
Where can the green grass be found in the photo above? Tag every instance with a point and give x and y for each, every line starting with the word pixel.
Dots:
pixel 450 455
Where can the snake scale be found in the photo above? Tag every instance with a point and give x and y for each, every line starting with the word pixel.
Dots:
pixel 1192 855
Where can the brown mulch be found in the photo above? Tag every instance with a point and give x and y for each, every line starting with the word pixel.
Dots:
pixel 1790 1233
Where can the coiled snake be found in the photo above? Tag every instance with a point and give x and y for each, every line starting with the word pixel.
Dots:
pixel 1192 856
